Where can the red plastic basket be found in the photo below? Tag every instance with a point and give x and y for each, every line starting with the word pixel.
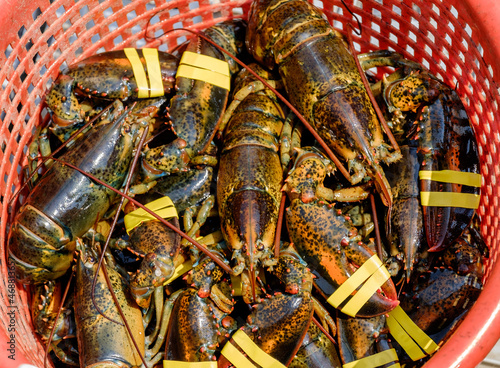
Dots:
pixel 453 38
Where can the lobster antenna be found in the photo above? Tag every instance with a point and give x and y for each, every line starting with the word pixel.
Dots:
pixel 281 97
pixel 59 310
pixel 378 241
pixel 279 225
pixel 217 260
pixel 359 30
pixel 320 326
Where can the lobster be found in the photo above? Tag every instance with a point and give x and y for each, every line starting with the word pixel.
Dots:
pixel 365 338
pixel 450 180
pixel 327 240
pixel 103 341
pixel 65 204
pixel 323 82
pixel 277 325
pixel 249 181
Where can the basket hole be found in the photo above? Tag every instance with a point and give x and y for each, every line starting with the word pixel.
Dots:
pixel 29 45
pixel 428 50
pixel 5 84
pixel 358 4
pixel 131 15
pixel 395 24
pixel 78 51
pixel 84 10
pixel 338 10
pixel 468 30
pixel 194 5
pixel 377 13
pixel 451 26
pixel 3 147
pixel 16 63
pixel 118 40
pixel 396 9
pixel 44 28
pixel 2 116
pixel 12 96
pixel 410 50
pixel 50 41
pixel 136 29
pixel 458 69
pixel 173 12
pixel 217 14
pixel 113 26
pixel 177 25
pixel 31 87
pixel 72 38
pixel 380 1
pixel 21 31
pixel 107 12
pixel 433 22
pixel 442 65
pixel 141 43
pixel 155 19
pixel 36 13
pixel 181 40
pixel 448 39
pixel 412 36
pixel 23 76
pixel 63 66
pixel 197 19
pixel 445 53
pixel 416 8
pixel 60 11
pixel 435 9
pixel 43 70
pixel 95 38
pixel 480 49
pixel 490 69
pixel 318 4
pixel 425 63
pixel 454 11
pixel 66 25
pixel 150 5
pixel 38 99
pixel 10 127
pixel 415 22
pixel 375 27
pixel 393 37
pixel 8 51
pixel 56 54
pixel 374 41
pixel 90 24
pixel 237 11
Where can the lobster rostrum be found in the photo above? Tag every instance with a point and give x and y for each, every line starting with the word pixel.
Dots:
pixel 327 240
pixel 249 181
pixel 323 82
pixel 65 204
pixel 449 174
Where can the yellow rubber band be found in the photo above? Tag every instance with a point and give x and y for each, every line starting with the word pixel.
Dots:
pixel 176 363
pixel 452 176
pixel 163 207
pixel 254 352
pixel 376 280
pixel 204 75
pixel 179 271
pixel 205 62
pixel 154 72
pixel 236 357
pixel 375 360
pixel 365 272
pixel 450 199
pixel 139 73
pixel 411 338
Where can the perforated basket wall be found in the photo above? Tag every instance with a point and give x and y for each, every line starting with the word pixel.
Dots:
pixel 453 38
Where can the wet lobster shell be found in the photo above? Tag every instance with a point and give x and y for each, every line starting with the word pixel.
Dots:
pixel 455 39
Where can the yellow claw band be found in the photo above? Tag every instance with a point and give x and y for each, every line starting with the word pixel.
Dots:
pixel 139 72
pixel 154 72
pixel 412 339
pixel 204 68
pixel 372 273
pixel 153 88
pixel 163 207
pixel 451 176
pixel 176 363
pixel 253 352
pixel 179 271
pixel 450 199
pixel 376 360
